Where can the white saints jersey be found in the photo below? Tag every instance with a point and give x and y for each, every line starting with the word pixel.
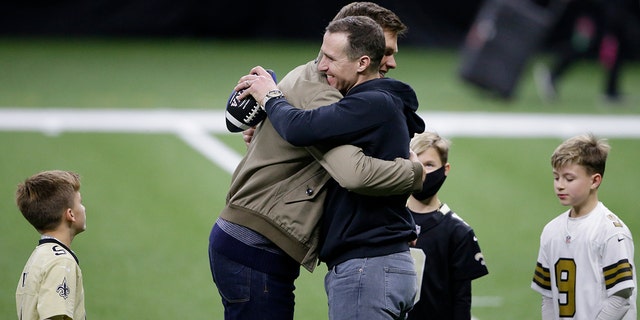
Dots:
pixel 50 284
pixel 582 261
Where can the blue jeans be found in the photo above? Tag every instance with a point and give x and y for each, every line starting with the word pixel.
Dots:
pixel 372 288
pixel 250 294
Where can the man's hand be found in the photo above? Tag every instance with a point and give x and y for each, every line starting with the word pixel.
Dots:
pixel 247 135
pixel 257 83
pixel 414 157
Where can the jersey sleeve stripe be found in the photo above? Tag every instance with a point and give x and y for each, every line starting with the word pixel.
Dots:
pixel 542 277
pixel 616 273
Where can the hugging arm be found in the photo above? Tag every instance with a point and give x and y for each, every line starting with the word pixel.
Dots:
pixel 362 174
pixel 347 164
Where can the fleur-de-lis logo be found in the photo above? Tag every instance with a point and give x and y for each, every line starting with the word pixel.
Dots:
pixel 63 290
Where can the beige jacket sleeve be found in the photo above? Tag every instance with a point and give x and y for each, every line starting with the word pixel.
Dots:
pixel 362 174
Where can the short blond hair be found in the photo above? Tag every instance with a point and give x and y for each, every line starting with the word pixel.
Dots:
pixel 585 150
pixel 426 140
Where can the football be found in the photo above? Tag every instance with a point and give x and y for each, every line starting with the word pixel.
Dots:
pixel 243 114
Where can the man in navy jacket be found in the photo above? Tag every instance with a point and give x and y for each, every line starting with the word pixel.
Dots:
pixel 371 273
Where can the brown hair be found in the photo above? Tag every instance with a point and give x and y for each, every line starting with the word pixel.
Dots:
pixel 43 197
pixel 585 150
pixel 388 20
pixel 365 38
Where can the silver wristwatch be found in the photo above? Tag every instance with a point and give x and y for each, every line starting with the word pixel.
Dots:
pixel 275 93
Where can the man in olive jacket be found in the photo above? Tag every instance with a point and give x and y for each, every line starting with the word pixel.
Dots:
pixel 269 226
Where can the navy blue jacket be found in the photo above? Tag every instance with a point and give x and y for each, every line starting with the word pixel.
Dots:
pixel 380 117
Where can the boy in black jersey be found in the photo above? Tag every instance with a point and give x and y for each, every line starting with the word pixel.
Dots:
pixel 453 256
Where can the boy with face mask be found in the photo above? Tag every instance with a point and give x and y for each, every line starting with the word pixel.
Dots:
pixel 453 256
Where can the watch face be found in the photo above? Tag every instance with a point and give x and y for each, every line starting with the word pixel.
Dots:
pixel 274 93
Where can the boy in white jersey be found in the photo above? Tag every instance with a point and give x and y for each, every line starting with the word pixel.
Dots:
pixel 585 263
pixel 50 286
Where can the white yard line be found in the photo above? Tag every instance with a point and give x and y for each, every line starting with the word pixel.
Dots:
pixel 108 120
pixel 448 123
pixel 210 147
pixel 196 127
pixel 532 125
pixel 193 126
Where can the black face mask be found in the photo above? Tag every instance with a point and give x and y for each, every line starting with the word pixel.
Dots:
pixel 431 184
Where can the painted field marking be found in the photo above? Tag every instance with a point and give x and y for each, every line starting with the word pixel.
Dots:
pixel 196 127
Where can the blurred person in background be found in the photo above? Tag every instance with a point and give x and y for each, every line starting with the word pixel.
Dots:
pixel 600 28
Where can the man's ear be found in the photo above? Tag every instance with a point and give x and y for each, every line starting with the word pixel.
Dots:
pixel 363 63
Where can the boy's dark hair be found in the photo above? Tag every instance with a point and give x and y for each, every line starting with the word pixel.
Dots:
pixel 43 197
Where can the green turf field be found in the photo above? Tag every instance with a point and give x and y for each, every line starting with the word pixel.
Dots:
pixel 151 199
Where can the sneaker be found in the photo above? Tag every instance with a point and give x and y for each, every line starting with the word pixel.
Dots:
pixel 544 84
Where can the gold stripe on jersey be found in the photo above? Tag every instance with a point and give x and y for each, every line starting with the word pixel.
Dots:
pixel 618 272
pixel 542 277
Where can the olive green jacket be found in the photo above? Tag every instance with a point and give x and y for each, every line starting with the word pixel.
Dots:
pixel 278 190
